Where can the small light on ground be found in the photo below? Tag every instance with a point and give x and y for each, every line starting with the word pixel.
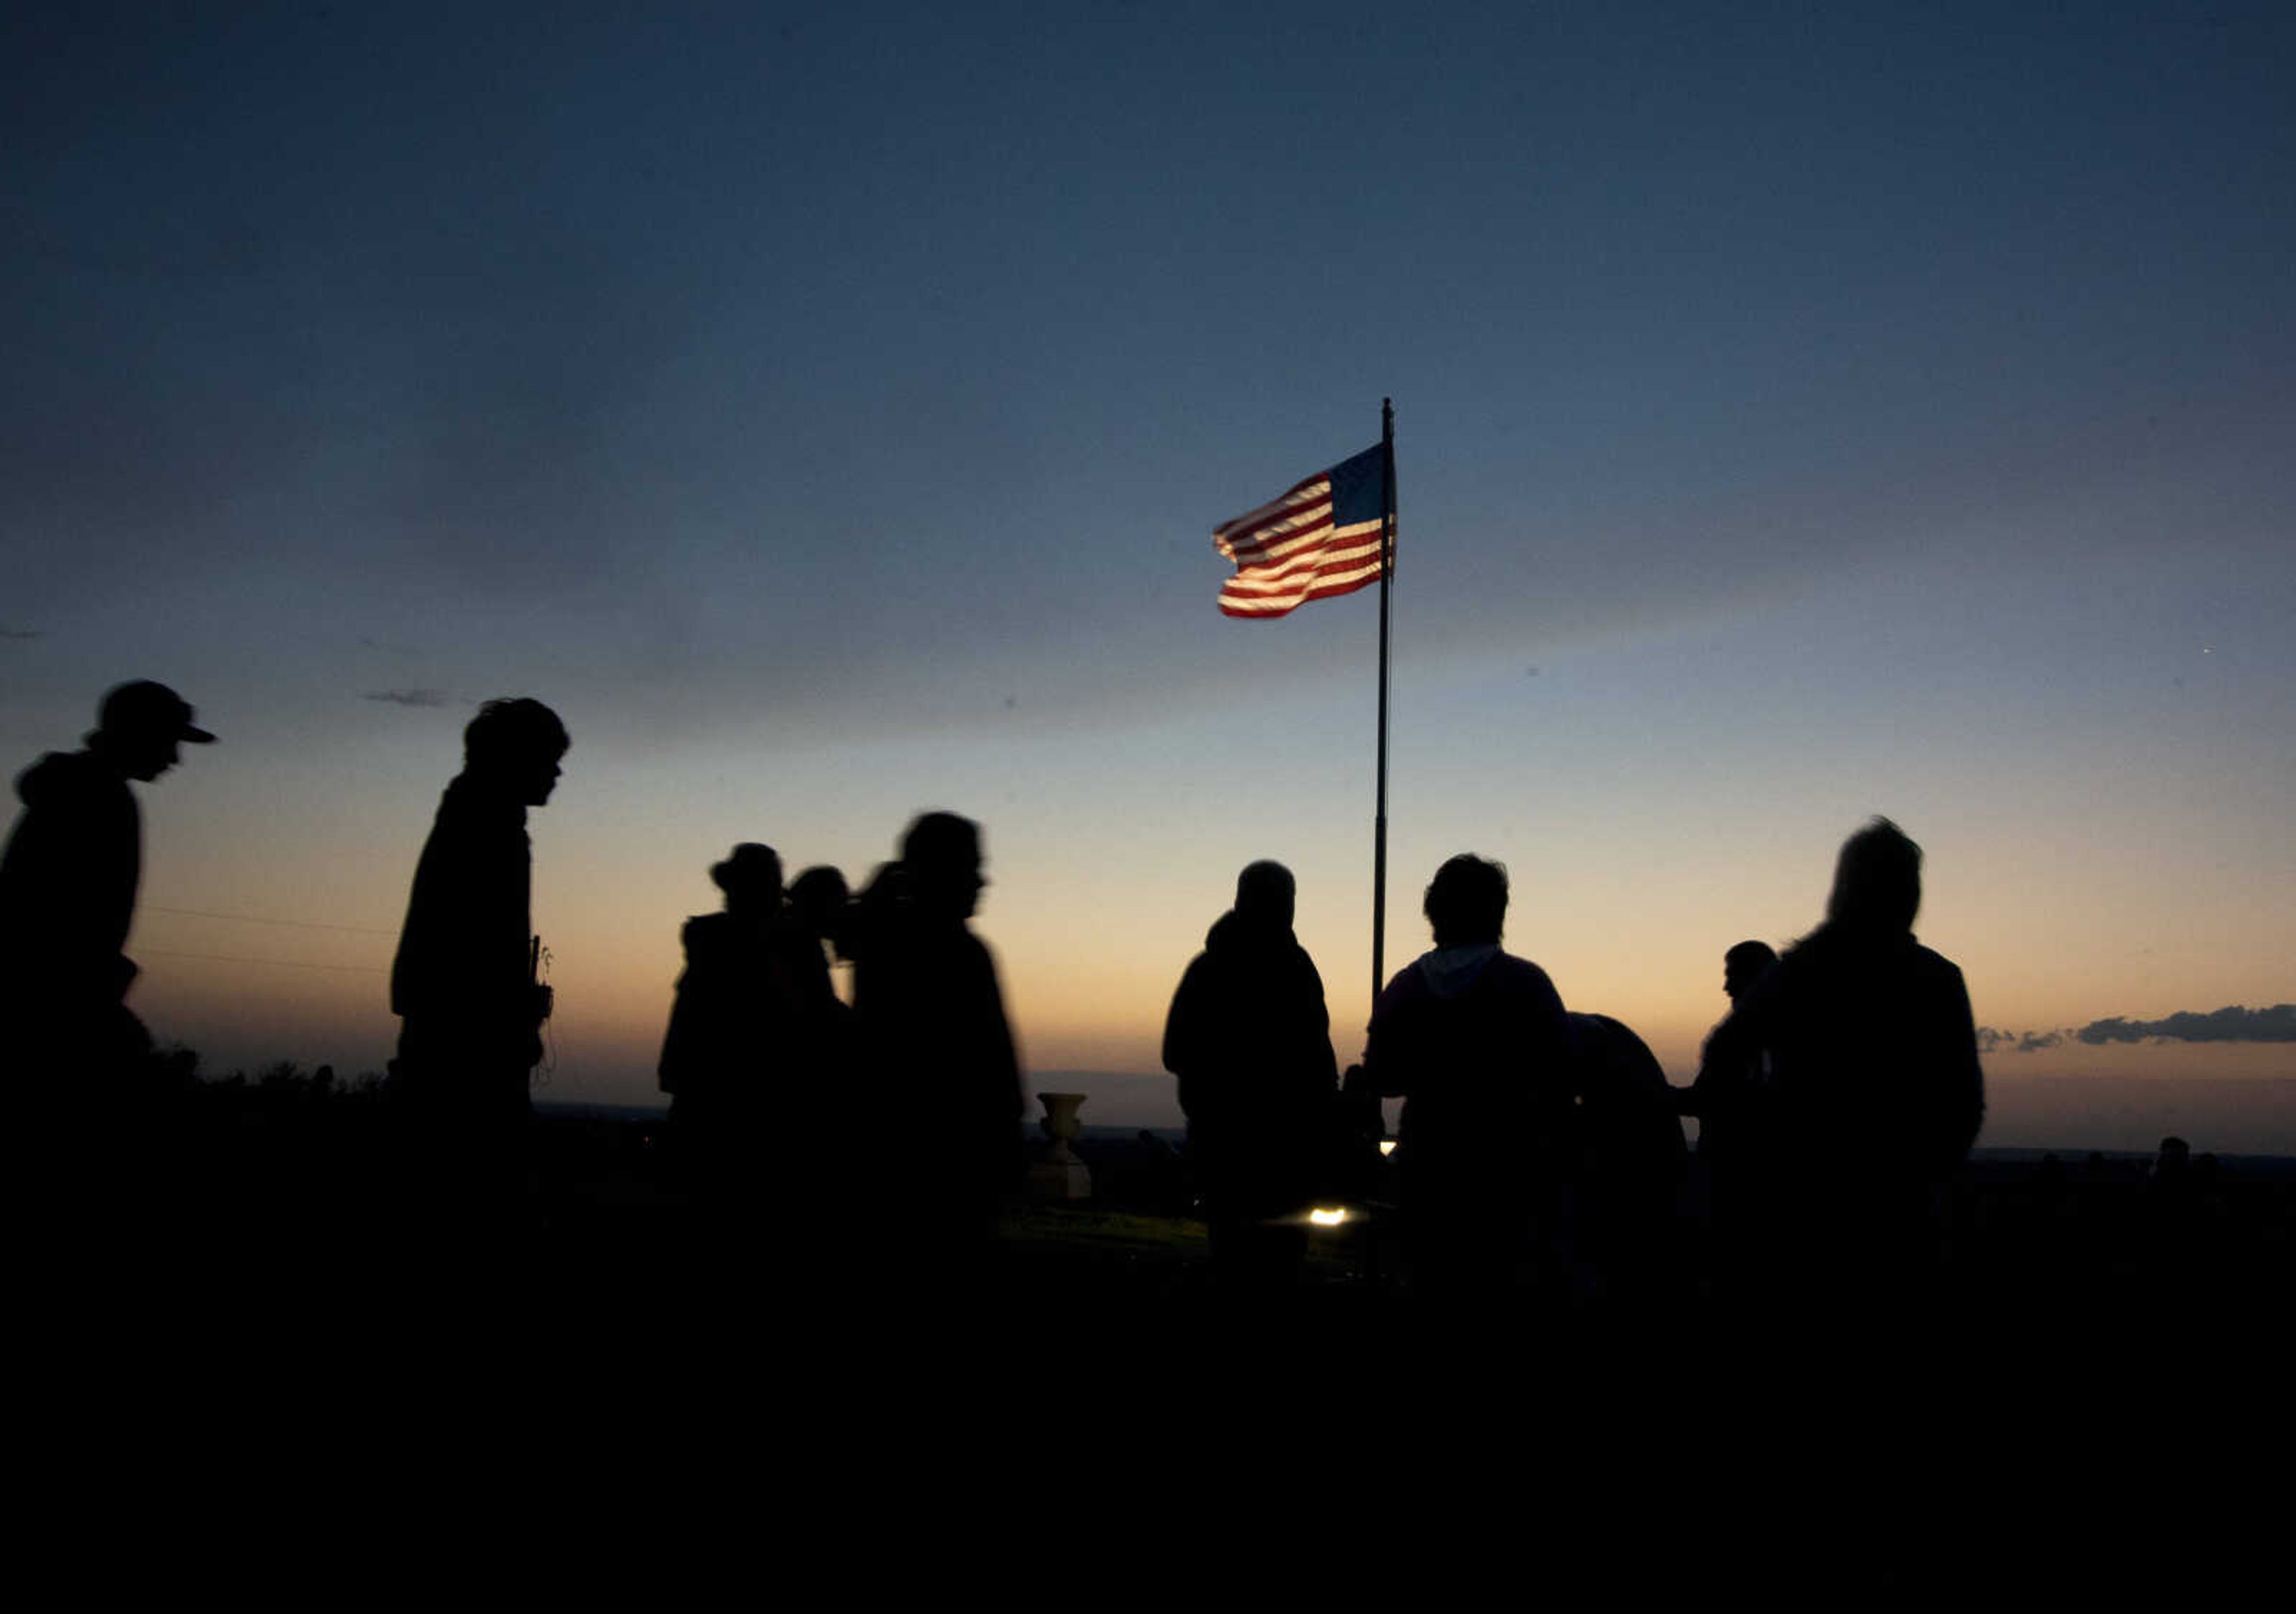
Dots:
pixel 1328 1218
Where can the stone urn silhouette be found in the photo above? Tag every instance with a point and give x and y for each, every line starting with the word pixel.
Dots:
pixel 1056 1173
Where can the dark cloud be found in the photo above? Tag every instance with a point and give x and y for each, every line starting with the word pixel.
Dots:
pixel 22 633
pixel 1992 1041
pixel 2231 1024
pixel 2276 1024
pixel 408 697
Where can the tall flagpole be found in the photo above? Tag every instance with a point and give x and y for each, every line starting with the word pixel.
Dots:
pixel 1386 593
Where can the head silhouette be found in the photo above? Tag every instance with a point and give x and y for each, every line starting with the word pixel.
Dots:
pixel 141 727
pixel 818 897
pixel 752 879
pixel 1742 966
pixel 515 746
pixel 1466 902
pixel 2175 1157
pixel 1877 882
pixel 942 853
pixel 1264 895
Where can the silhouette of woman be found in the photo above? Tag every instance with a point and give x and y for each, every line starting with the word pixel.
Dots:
pixel 810 1060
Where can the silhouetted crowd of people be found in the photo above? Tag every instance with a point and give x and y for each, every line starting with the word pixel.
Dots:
pixel 1540 1157
pixel 757 1040
pixel 1541 1151
pixel 760 1048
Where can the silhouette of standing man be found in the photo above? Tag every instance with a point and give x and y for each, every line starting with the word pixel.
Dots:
pixel 463 982
pixel 68 886
pixel 1474 1041
pixel 925 993
pixel 1734 1103
pixel 1726 1097
pixel 1250 1038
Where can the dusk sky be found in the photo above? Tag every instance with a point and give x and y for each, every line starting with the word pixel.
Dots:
pixel 1802 412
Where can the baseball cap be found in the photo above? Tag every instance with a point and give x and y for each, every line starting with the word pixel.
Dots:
pixel 146 708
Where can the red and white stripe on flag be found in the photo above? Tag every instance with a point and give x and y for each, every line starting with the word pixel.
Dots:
pixel 1290 551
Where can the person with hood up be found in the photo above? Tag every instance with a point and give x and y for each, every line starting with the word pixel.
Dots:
pixel 1877 1089
pixel 724 1022
pixel 1475 1042
pixel 68 883
pixel 1249 1039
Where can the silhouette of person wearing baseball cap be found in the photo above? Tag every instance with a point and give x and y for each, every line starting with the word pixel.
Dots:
pixel 68 882
pixel 87 1086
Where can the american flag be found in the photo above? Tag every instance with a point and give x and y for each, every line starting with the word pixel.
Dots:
pixel 1321 539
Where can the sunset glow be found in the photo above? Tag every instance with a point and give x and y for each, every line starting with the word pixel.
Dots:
pixel 830 429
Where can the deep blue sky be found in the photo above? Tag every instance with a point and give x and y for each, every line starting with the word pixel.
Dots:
pixel 1802 412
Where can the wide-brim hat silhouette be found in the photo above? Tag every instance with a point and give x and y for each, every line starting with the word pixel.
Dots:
pixel 750 864
pixel 147 709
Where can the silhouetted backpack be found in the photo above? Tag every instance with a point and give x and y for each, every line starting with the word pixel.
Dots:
pixel 1628 1137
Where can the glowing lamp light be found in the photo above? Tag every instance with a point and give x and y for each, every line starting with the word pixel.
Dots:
pixel 1328 1219
pixel 1386 1147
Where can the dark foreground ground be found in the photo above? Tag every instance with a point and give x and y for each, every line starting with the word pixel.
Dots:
pixel 287 1189
pixel 266 1324
pixel 279 1310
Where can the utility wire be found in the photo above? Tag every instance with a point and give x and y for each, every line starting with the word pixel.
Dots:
pixel 250 919
pixel 284 963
